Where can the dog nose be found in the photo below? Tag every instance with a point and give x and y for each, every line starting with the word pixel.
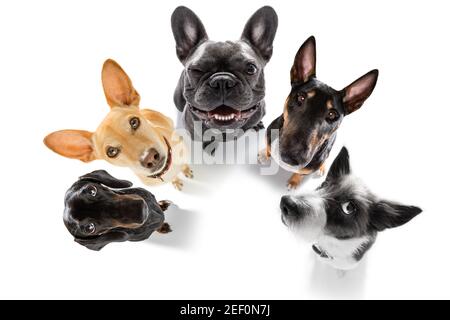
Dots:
pixel 152 160
pixel 222 81
pixel 288 206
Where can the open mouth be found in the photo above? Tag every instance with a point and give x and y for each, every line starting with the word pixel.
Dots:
pixel 167 165
pixel 225 114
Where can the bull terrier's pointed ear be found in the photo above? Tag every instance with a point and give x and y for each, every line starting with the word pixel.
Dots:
pixel 386 214
pixel 188 31
pixel 356 93
pixel 304 67
pixel 340 166
pixel 119 90
pixel 260 31
pixel 74 144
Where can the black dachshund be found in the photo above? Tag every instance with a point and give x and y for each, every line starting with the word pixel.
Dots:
pixel 100 209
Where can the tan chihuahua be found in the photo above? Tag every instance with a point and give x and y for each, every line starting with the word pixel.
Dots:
pixel 141 139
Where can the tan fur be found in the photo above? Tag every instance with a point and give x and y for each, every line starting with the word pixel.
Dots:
pixel 115 131
pixel 329 104
pixel 296 179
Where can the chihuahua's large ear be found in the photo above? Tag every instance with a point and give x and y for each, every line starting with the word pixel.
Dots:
pixel 304 67
pixel 356 93
pixel 119 90
pixel 340 166
pixel 385 214
pixel 260 31
pixel 188 31
pixel 103 177
pixel 75 144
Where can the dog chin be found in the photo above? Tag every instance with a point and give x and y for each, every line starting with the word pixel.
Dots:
pixel 276 155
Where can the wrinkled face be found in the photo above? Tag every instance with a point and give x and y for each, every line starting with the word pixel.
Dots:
pixel 126 138
pixel 93 210
pixel 224 83
pixel 312 114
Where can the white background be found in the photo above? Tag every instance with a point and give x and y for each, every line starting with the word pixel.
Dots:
pixel 228 240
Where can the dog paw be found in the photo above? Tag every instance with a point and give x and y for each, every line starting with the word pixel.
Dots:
pixel 321 172
pixel 165 204
pixel 291 186
pixel 259 126
pixel 262 157
pixel 178 184
pixel 294 181
pixel 188 173
pixel 165 228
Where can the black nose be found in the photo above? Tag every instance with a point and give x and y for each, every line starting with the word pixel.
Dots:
pixel 152 160
pixel 222 81
pixel 288 206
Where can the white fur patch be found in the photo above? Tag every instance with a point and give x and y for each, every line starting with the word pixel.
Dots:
pixel 312 223
pixel 340 251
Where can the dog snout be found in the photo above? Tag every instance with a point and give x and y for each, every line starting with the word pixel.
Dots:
pixel 288 206
pixel 290 159
pixel 222 81
pixel 152 159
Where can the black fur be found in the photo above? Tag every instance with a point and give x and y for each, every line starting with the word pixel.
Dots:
pixel 216 78
pixel 368 216
pixel 309 128
pixel 117 214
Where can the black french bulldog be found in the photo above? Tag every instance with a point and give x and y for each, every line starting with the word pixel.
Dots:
pixel 97 215
pixel 222 84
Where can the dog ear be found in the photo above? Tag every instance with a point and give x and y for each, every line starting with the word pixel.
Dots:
pixel 385 214
pixel 103 177
pixel 260 31
pixel 119 90
pixel 340 165
pixel 99 242
pixel 74 144
pixel 356 93
pixel 304 67
pixel 188 31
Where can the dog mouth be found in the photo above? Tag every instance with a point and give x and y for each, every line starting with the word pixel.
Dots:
pixel 168 163
pixel 225 114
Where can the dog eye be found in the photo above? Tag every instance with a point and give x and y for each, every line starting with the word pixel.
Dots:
pixel 89 228
pixel 112 152
pixel 301 98
pixel 251 69
pixel 348 207
pixel 135 123
pixel 332 115
pixel 92 191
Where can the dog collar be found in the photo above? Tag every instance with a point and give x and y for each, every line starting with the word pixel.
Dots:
pixel 320 252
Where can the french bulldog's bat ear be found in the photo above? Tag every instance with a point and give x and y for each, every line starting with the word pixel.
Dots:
pixel 304 67
pixel 355 94
pixel 74 144
pixel 119 90
pixel 103 177
pixel 188 31
pixel 385 214
pixel 260 31
pixel 340 166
